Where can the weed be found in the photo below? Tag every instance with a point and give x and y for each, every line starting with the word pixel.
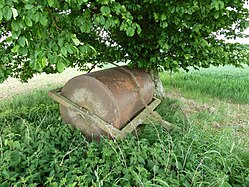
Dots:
pixel 36 148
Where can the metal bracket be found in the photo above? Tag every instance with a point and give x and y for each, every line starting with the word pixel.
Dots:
pixel 146 115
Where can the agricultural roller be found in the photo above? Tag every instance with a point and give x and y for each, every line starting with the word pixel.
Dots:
pixel 110 102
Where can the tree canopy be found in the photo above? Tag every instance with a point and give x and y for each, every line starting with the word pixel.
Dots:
pixel 51 35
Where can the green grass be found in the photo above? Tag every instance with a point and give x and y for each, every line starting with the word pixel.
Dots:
pixel 37 149
pixel 225 83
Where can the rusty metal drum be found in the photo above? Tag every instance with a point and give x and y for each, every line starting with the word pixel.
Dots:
pixel 116 95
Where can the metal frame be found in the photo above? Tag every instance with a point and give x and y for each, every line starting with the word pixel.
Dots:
pixel 146 115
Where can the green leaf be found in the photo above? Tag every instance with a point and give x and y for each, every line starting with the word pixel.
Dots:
pixel 164 24
pixel 204 43
pixel 97 19
pixel 76 41
pixel 246 24
pixel 216 5
pixel 216 15
pixel 28 22
pixel 61 42
pixel 187 56
pixel 60 66
pixel 102 20
pixel 9 39
pixel 23 50
pixel 122 26
pixel 21 41
pixel 108 23
pixel 34 64
pixel 15 35
pixel 222 5
pixel 50 2
pixel 92 49
pixel 5 174
pixel 139 30
pixel 2 3
pixel 7 13
pixel 35 17
pixel 64 51
pixel 163 17
pixel 69 49
pixel 28 6
pixel 52 58
pixel 14 12
pixel 105 10
pixel 1 15
pixel 16 145
pixel 15 48
pixel 15 25
pixel 44 62
pixel 43 20
pixel 130 31
pixel 197 28
pixel 85 27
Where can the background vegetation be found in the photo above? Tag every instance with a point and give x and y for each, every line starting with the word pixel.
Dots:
pixel 225 83
pixel 36 148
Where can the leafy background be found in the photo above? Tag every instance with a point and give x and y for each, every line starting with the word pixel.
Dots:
pixel 49 36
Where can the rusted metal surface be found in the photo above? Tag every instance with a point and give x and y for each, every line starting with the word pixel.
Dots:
pixel 145 116
pixel 126 91
pixel 110 94
pixel 84 113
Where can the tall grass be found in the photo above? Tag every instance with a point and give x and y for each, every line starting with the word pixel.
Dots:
pixel 226 83
pixel 37 149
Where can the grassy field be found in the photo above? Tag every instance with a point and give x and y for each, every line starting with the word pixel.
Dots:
pixel 37 149
pixel 225 83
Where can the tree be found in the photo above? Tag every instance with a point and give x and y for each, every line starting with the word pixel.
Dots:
pixel 51 35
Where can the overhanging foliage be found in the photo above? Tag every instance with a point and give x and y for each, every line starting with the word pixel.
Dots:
pixel 48 36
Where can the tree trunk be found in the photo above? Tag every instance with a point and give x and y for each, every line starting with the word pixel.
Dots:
pixel 158 86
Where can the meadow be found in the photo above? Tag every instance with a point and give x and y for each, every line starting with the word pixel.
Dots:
pixel 225 83
pixel 38 149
